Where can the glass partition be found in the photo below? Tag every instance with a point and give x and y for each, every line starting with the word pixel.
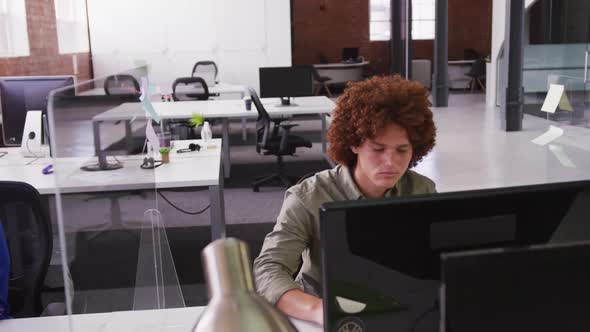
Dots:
pixel 556 52
pixel 113 248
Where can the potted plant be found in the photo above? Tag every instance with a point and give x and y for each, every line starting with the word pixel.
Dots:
pixel 165 152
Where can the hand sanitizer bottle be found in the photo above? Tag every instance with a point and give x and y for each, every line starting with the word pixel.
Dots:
pixel 206 133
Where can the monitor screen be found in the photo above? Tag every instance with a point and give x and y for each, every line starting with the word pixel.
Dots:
pixel 385 253
pixel 350 53
pixel 21 94
pixel 539 288
pixel 285 82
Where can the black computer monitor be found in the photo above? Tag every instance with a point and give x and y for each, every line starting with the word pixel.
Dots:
pixel 385 253
pixel 286 82
pixel 350 53
pixel 539 288
pixel 21 94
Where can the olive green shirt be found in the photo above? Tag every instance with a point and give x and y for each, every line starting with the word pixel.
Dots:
pixel 296 235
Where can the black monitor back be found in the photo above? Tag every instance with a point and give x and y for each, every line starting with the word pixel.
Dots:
pixel 386 253
pixel 540 288
pixel 21 94
pixel 284 82
pixel 350 53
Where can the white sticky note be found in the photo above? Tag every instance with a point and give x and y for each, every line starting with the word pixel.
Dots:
pixel 560 154
pixel 553 98
pixel 551 134
pixel 153 141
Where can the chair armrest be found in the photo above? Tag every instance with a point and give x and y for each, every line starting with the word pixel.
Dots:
pixel 286 130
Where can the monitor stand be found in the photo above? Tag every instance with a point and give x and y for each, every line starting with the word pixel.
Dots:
pixel 102 165
pixel 286 102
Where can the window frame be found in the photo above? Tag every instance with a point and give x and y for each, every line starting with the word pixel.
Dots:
pixel 415 22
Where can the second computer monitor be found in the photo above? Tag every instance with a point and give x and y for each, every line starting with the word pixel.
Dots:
pixel 286 82
pixel 22 94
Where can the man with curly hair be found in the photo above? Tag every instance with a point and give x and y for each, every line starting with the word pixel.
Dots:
pixel 381 127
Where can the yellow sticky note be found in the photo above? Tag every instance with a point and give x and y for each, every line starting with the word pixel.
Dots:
pixel 564 103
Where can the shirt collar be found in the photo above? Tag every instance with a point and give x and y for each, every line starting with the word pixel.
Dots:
pixel 352 189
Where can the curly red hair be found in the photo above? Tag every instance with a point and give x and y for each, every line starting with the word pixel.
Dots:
pixel 367 107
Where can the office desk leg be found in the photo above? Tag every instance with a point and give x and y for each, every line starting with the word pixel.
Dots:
pixel 225 147
pixel 128 136
pixel 217 211
pixel 244 130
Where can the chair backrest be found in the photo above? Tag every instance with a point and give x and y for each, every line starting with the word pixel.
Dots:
pixel 207 70
pixel 198 86
pixel 478 68
pixel 470 54
pixel 121 85
pixel 30 242
pixel 263 130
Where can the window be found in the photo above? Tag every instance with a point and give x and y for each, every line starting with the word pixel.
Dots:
pixel 422 19
pixel 14 38
pixel 72 26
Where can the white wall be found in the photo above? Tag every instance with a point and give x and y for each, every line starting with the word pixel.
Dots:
pixel 239 35
pixel 498 32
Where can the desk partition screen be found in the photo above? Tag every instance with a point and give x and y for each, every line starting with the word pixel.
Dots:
pixel 110 239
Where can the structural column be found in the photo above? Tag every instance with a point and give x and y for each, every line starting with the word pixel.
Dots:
pixel 440 79
pixel 513 53
pixel 399 58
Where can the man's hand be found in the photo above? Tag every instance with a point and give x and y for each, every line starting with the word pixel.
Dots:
pixel 300 305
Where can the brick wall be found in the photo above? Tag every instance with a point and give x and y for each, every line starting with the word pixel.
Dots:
pixel 326 26
pixel 44 56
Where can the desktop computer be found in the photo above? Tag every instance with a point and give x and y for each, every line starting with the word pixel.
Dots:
pixel 286 82
pixel 384 255
pixel 18 95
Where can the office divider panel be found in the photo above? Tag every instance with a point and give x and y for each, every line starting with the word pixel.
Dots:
pixel 113 244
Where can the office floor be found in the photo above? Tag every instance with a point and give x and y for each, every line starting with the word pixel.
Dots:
pixel 472 152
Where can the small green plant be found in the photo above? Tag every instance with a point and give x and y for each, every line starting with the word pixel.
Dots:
pixel 196 120
pixel 164 150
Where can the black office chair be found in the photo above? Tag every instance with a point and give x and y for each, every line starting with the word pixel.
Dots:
pixel 275 141
pixel 199 84
pixel 477 73
pixel 30 243
pixel 205 67
pixel 122 84
pixel 320 82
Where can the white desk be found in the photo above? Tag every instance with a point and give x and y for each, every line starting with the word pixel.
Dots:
pixel 219 88
pixel 179 173
pixel 169 320
pixel 220 109
pixel 342 72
